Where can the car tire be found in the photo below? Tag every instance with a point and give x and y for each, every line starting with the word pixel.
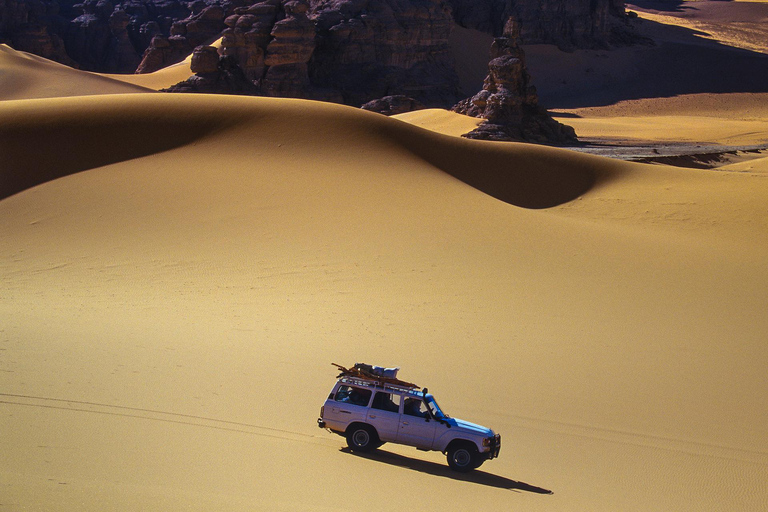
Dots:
pixel 362 438
pixel 463 458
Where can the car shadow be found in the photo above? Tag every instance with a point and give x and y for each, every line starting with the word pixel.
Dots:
pixel 441 470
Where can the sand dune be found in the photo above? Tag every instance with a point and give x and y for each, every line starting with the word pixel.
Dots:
pixel 23 75
pixel 160 79
pixel 170 317
pixel 441 121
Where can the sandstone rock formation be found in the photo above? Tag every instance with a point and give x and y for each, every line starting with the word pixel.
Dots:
pixel 566 23
pixel 27 25
pixel 349 51
pixel 384 47
pixel 201 27
pixel 508 101
pixel 215 74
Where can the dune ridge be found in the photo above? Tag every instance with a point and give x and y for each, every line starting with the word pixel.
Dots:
pixel 88 139
pixel 24 76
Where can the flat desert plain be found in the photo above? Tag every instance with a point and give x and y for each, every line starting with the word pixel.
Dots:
pixel 178 273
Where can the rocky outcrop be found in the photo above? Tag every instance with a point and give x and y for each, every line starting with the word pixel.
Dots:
pixel 29 25
pixel 508 101
pixel 204 25
pixel 396 46
pixel 271 41
pixel 248 32
pixel 348 51
pixel 376 48
pixel 98 38
pixel 288 52
pixel 96 35
pixel 214 74
pixel 566 23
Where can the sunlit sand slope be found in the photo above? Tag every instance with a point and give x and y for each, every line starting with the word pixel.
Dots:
pixel 23 76
pixel 171 309
pixel 162 78
pixel 441 121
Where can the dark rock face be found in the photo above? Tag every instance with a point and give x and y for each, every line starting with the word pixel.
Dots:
pixel 28 25
pixel 508 100
pixel 206 23
pixel 95 35
pixel 347 51
pixel 394 46
pixel 566 23
pixel 376 48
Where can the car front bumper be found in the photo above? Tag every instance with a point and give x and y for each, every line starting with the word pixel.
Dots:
pixel 494 446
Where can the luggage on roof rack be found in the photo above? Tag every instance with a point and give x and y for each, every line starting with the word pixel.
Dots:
pixel 374 373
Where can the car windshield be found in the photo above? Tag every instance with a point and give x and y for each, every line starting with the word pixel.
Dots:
pixel 435 409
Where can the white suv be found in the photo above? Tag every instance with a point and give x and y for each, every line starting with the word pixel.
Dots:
pixel 370 409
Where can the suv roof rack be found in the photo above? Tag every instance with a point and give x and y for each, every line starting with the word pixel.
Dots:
pixel 361 372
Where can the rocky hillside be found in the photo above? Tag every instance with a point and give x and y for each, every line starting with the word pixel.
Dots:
pixel 346 51
pixel 566 23
pixel 393 38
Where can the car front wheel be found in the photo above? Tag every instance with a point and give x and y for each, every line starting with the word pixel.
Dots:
pixel 362 438
pixel 463 458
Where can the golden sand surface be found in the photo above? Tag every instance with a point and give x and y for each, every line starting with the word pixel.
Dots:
pixel 441 121
pixel 179 271
pixel 160 79
pixel 741 26
pixel 23 76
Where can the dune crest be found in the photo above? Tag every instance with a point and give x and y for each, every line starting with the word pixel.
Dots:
pixel 84 129
pixel 24 76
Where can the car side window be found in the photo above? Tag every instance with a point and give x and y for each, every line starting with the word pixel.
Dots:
pixel 386 402
pixel 415 407
pixel 352 395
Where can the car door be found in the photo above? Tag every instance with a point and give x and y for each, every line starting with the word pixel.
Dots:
pixel 417 428
pixel 384 415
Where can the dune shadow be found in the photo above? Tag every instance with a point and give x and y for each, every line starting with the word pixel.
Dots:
pixel 40 145
pixel 681 62
pixel 524 175
pixel 442 470
pixel 661 5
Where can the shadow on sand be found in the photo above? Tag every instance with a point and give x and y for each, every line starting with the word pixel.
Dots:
pixel 441 470
pixel 681 62
pixel 661 5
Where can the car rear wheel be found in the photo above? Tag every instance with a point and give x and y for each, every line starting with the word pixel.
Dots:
pixel 463 458
pixel 362 438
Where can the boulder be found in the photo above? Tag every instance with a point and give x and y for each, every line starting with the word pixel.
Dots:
pixel 205 60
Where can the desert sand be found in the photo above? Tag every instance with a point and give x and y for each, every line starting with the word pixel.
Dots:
pixel 179 271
